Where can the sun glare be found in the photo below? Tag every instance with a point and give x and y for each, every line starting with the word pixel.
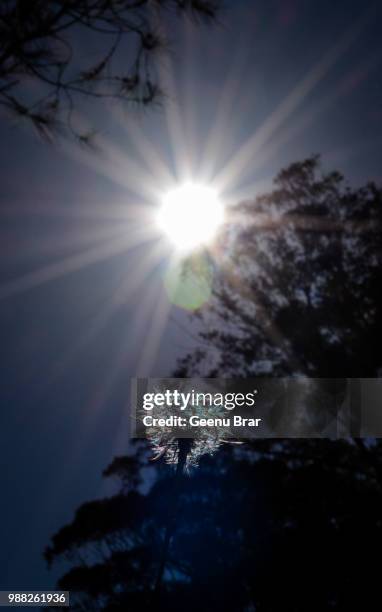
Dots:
pixel 190 215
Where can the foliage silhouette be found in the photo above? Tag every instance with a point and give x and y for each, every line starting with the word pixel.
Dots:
pixel 273 524
pixel 299 291
pixel 42 71
pixel 292 526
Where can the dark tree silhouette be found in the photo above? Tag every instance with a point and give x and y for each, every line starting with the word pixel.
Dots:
pixel 42 70
pixel 290 525
pixel 299 289
pixel 285 527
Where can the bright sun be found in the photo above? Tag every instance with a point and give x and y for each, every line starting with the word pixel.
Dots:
pixel 190 215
